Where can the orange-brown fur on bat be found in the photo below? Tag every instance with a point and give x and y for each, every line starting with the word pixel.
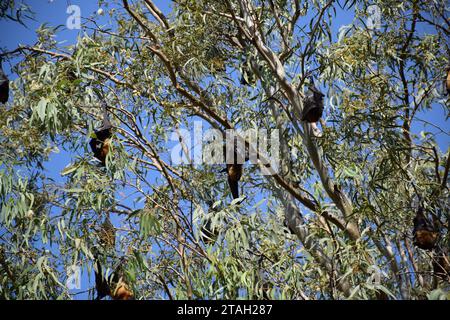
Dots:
pixel 101 146
pixel 234 172
pixel 122 292
pixel 104 150
pixel 425 239
pixel 425 236
pixel 447 82
pixel 104 286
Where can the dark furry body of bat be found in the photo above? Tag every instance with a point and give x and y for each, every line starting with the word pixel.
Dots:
pixel 113 286
pixel 101 144
pixel 102 285
pixel 4 87
pixel 234 172
pixel 425 236
pixel 313 104
pixel 447 82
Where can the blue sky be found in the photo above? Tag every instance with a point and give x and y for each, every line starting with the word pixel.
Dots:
pixel 54 13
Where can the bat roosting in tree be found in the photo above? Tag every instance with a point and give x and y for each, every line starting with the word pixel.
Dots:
pixel 101 283
pixel 425 236
pixel 101 139
pixel 447 81
pixel 113 286
pixel 4 86
pixel 313 104
pixel 234 171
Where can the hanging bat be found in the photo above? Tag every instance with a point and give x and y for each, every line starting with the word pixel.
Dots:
pixel 251 70
pixel 234 171
pixel 425 236
pixel 447 81
pixel 101 283
pixel 313 104
pixel 113 286
pixel 4 86
pixel 101 139
pixel 122 291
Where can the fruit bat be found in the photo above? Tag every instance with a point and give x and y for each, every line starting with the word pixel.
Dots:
pixel 101 283
pixel 234 172
pixel 101 139
pixel 425 236
pixel 263 286
pixel 113 286
pixel 4 86
pixel 313 104
pixel 122 291
pixel 447 81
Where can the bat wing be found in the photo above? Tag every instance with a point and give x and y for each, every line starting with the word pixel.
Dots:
pixel 448 82
pixel 234 187
pixel 93 145
pixel 103 133
pixel 101 284
pixel 4 89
